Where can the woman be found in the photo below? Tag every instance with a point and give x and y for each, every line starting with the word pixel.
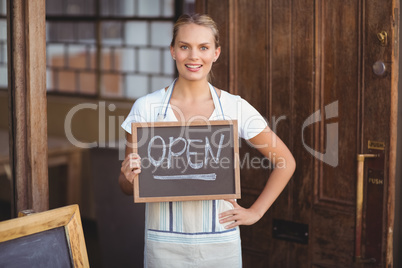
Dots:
pixel 201 233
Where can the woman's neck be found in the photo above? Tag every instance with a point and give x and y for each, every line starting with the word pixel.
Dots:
pixel 191 90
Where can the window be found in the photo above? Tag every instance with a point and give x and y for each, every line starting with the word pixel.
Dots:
pixel 105 48
pixel 117 49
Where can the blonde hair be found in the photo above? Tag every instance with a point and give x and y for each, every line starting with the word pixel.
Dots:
pixel 198 19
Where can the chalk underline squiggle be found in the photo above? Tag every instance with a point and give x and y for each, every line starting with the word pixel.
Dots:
pixel 204 177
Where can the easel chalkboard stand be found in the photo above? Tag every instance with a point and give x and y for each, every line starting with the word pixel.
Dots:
pixel 67 218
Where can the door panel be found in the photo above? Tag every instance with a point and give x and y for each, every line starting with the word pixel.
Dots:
pixel 337 58
pixel 306 65
pixel 337 64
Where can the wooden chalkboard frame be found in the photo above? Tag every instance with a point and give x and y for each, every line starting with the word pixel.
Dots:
pixel 67 217
pixel 235 195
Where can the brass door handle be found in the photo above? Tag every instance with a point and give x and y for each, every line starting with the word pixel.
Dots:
pixel 383 38
pixel 359 205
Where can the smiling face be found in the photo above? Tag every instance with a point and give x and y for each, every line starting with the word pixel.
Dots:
pixel 194 51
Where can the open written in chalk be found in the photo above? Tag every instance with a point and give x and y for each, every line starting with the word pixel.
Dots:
pixel 186 161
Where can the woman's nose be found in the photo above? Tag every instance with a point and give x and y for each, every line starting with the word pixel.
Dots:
pixel 193 54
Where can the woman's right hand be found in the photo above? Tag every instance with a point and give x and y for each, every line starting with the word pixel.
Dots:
pixel 131 166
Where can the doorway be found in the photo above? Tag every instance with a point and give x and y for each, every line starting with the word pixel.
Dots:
pixel 324 74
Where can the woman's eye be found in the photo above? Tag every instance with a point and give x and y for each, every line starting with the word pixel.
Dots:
pixel 184 47
pixel 204 48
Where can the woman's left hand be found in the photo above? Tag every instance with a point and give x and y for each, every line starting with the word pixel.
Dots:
pixel 238 215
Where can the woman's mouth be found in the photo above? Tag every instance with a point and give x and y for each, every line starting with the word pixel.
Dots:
pixel 193 67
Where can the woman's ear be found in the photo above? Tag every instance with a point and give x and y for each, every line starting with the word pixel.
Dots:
pixel 217 53
pixel 172 53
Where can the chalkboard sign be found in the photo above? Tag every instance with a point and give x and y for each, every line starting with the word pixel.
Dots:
pixel 52 238
pixel 186 161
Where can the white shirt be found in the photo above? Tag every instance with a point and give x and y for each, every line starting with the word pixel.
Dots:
pixel 250 121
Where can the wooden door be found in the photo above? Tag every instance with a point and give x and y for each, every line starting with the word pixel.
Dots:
pixel 307 66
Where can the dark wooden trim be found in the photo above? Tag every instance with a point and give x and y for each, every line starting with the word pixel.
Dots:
pixel 178 9
pixel 16 56
pixel 70 18
pixel 201 6
pixel 232 35
pixel 11 97
pixel 28 107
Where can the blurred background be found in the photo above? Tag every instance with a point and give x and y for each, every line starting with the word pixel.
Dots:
pixel 101 56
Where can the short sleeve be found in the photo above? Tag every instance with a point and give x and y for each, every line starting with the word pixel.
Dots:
pixel 251 122
pixel 137 114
